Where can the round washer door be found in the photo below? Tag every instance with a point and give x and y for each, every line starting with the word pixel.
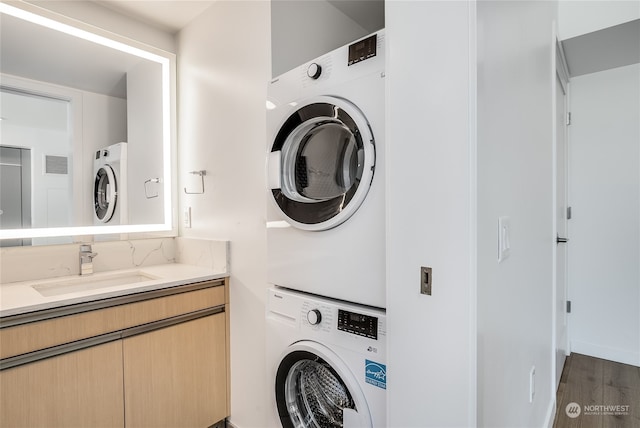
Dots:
pixel 315 388
pixel 321 163
pixel 105 193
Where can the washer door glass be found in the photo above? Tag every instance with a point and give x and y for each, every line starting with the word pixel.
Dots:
pixel 324 157
pixel 310 393
pixel 104 193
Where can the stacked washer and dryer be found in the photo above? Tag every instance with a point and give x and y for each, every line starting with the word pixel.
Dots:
pixel 326 322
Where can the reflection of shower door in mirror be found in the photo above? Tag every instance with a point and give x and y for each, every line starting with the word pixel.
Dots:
pixel 15 192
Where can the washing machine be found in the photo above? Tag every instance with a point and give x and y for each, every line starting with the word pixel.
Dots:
pixel 109 187
pixel 326 362
pixel 325 175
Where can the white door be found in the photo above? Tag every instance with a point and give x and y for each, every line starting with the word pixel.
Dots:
pixel 562 347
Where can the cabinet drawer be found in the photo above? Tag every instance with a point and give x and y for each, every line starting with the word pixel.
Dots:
pixel 78 389
pixel 176 376
pixel 24 338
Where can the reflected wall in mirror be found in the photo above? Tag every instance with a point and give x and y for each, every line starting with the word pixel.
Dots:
pixel 87 129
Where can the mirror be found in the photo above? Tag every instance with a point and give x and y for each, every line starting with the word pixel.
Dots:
pixel 87 131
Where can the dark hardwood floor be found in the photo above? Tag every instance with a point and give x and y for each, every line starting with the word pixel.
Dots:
pixel 596 393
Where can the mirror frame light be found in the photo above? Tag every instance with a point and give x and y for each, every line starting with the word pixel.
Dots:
pixel 167 62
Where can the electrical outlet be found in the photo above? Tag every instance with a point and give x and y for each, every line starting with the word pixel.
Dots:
pixel 425 280
pixel 186 217
pixel 532 383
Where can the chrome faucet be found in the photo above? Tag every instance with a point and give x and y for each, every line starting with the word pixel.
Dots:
pixel 86 259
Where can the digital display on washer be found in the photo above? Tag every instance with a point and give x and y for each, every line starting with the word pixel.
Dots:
pixel 362 325
pixel 363 49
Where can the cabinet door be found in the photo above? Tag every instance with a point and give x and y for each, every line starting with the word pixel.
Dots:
pixel 176 376
pixel 78 389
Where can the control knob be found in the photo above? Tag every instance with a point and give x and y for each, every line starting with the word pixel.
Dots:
pixel 314 70
pixel 314 317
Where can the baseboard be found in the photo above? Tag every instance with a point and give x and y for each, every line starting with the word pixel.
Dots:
pixel 612 354
pixel 220 424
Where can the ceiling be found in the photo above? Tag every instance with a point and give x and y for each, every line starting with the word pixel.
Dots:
pixel 166 15
pixel 174 15
pixel 369 14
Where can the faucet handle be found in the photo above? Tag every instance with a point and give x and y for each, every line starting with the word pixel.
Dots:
pixel 85 248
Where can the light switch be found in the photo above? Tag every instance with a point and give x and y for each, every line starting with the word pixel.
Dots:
pixel 504 238
pixel 186 217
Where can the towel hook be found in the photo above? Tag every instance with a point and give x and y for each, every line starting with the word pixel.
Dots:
pixel 201 173
pixel 146 189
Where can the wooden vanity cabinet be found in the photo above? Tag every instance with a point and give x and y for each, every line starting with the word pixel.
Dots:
pixel 171 371
pixel 78 389
pixel 176 376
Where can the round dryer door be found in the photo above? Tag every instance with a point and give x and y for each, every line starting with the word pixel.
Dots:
pixel 321 163
pixel 105 193
pixel 314 388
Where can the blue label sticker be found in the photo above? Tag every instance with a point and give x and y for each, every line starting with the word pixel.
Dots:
pixel 375 374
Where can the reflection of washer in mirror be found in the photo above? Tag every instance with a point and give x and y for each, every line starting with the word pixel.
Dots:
pixel 109 201
pixel 105 194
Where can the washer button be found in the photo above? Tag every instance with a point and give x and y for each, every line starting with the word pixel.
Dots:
pixel 314 71
pixel 314 317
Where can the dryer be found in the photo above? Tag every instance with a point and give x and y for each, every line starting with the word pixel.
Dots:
pixel 109 185
pixel 326 179
pixel 326 362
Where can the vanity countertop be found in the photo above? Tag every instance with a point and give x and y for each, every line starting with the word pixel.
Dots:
pixel 21 297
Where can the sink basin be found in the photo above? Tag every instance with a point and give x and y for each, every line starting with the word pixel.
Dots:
pixel 87 283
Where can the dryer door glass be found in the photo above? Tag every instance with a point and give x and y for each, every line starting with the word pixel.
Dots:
pixel 326 161
pixel 310 393
pixel 104 193
pixel 323 164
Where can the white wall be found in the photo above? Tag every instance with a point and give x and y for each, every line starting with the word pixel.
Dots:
pixel 324 28
pixel 430 161
pixel 604 256
pixel 144 142
pixel 223 70
pixel 581 17
pixel 515 166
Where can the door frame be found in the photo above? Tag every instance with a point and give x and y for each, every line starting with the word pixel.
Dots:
pixel 561 73
pixel 25 192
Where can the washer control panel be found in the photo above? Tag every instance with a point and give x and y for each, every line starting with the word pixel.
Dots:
pixel 363 49
pixel 355 323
